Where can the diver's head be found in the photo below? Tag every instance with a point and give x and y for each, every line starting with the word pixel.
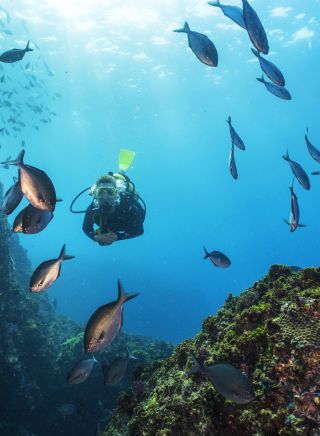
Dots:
pixel 105 191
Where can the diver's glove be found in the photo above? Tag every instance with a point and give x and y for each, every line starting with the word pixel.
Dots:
pixel 106 238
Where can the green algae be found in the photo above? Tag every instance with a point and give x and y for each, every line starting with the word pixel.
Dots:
pixel 253 333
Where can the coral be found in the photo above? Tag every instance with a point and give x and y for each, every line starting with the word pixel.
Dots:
pixel 270 332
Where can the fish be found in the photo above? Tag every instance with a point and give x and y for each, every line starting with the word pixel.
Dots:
pixel 298 171
pixel 35 184
pixel 235 138
pixel 67 409
pixel 201 46
pixel 255 29
pixel 47 272
pixel 217 258
pixel 293 222
pixel 227 380
pixel 114 373
pixel 106 322
pixel 81 371
pixel 233 12
pixel 12 198
pixel 15 54
pixel 232 164
pixel 278 91
pixel 17 223
pixel 270 69
pixel 35 220
pixel 315 153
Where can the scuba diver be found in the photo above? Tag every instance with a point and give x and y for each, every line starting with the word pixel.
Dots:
pixel 116 211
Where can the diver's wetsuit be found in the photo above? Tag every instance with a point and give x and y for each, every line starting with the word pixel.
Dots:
pixel 126 220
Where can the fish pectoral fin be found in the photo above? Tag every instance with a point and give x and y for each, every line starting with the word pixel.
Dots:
pixel 286 221
pixel 302 225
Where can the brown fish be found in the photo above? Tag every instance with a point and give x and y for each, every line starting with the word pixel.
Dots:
pixel 116 371
pixel 48 272
pixel 106 322
pixel 35 184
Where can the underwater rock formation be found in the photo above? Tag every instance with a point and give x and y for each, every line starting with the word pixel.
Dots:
pixel 271 332
pixel 38 347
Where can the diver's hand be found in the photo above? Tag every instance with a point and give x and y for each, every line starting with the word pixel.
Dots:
pixel 106 238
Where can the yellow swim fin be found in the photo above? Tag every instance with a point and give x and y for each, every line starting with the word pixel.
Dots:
pixel 126 158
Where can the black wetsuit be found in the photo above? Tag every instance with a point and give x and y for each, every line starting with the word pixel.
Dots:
pixel 126 220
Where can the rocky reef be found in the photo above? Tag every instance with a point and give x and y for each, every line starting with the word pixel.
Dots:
pixel 38 347
pixel 271 332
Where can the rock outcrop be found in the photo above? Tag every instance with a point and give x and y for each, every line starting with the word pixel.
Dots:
pixel 271 332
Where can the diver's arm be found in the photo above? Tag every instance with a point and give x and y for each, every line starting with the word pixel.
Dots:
pixel 88 223
pixel 135 218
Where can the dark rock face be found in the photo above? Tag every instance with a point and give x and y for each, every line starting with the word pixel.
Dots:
pixel 38 348
pixel 272 333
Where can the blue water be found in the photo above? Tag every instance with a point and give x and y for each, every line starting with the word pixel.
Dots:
pixel 127 80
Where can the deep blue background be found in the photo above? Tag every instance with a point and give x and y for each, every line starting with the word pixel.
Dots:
pixel 127 80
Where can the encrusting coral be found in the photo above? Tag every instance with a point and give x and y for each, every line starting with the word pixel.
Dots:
pixel 271 333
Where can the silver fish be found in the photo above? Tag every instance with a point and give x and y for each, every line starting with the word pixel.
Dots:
pixel 293 222
pixel 217 258
pixel 81 371
pixel 270 69
pixel 315 153
pixel 232 164
pixel 48 272
pixel 278 91
pixel 227 380
pixel 35 184
pixel 235 138
pixel 12 198
pixel 201 46
pixel 15 54
pixel 116 371
pixel 233 12
pixel 106 322
pixel 298 171
pixel 255 28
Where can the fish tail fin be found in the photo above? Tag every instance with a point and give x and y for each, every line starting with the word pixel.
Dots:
pixel 122 296
pixel 256 53
pixel 185 28
pixel 206 253
pixel 216 3
pixel 286 221
pixel 261 79
pixel 18 161
pixel 198 366
pixel 28 48
pixel 63 255
pixel 286 156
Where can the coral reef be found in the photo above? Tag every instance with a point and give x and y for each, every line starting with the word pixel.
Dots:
pixel 271 333
pixel 38 348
